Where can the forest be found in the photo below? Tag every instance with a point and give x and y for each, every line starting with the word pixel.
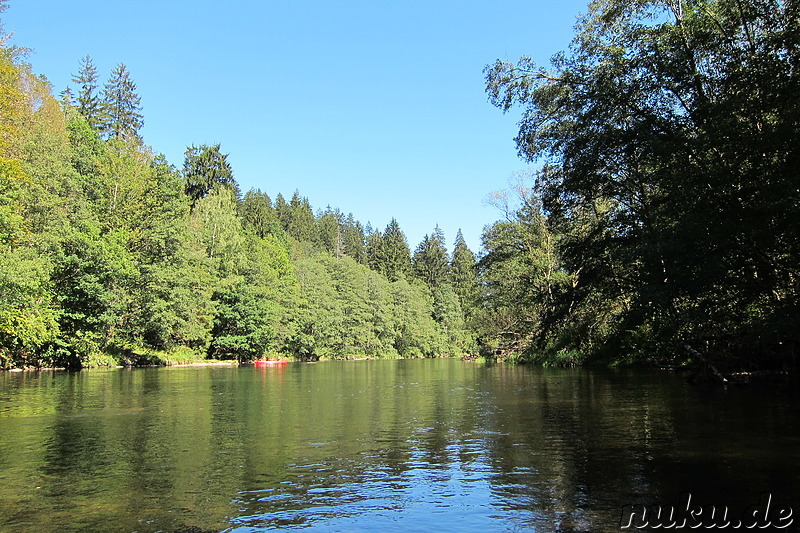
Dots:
pixel 658 223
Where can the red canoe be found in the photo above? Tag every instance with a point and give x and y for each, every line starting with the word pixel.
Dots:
pixel 265 363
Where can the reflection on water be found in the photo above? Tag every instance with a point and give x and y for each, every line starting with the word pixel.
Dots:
pixel 414 445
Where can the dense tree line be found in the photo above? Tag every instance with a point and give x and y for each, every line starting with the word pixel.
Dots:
pixel 661 222
pixel 109 254
pixel 665 209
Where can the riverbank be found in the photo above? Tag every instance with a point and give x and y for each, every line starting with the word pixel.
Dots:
pixel 209 362
pixel 156 360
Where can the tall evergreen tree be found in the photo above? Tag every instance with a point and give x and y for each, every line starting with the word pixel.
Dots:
pixel 122 104
pixel 283 212
pixel 204 169
pixel 463 273
pixel 430 259
pixel 373 247
pixel 89 102
pixel 394 258
pixel 330 231
pixel 353 239
pixel 67 101
pixel 302 225
pixel 258 215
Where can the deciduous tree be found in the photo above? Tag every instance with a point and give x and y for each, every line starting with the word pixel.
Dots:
pixel 668 141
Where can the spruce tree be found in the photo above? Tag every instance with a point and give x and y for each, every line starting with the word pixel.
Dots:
pixel 89 103
pixel 67 101
pixel 302 226
pixel 67 98
pixel 430 259
pixel 373 247
pixel 205 168
pixel 353 239
pixel 122 104
pixel 395 261
pixel 463 273
pixel 283 212
pixel 257 214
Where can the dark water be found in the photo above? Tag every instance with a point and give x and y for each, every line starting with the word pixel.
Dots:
pixel 415 445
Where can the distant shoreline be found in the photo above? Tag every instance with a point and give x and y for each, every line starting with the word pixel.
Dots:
pixel 213 362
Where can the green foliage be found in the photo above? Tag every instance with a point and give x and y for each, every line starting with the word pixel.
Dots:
pixel 302 225
pixel 417 334
pixel 329 231
pixel 122 105
pixel 447 312
pixel 341 235
pixel 109 255
pixel 668 139
pixel 88 150
pixel 348 310
pixel 430 262
pixel 522 276
pixel 353 240
pixel 174 299
pixel 13 228
pixel 216 228
pixel 90 274
pixel 464 275
pixel 243 324
pixel 89 102
pixel 255 303
pixel 388 252
pixel 28 316
pixel 258 216
pixel 173 291
pixel 283 212
pixel 206 168
pixel 345 310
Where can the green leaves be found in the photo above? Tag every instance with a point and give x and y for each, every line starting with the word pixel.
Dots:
pixel 666 135
pixel 109 254
pixel 28 316
pixel 204 169
pixel 388 252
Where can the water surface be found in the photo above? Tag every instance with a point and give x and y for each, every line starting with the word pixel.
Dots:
pixel 397 445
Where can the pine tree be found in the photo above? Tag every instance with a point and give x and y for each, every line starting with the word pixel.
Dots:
pixel 430 259
pixel 67 101
pixel 283 212
pixel 302 225
pixel 395 257
pixel 258 215
pixel 67 98
pixel 90 105
pixel 329 230
pixel 353 238
pixel 373 247
pixel 463 273
pixel 204 168
pixel 122 104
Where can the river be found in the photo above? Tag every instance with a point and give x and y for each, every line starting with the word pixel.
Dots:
pixel 385 445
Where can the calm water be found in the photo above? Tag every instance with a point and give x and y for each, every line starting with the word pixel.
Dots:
pixel 417 445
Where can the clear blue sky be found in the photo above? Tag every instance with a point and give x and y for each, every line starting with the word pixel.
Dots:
pixel 375 107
